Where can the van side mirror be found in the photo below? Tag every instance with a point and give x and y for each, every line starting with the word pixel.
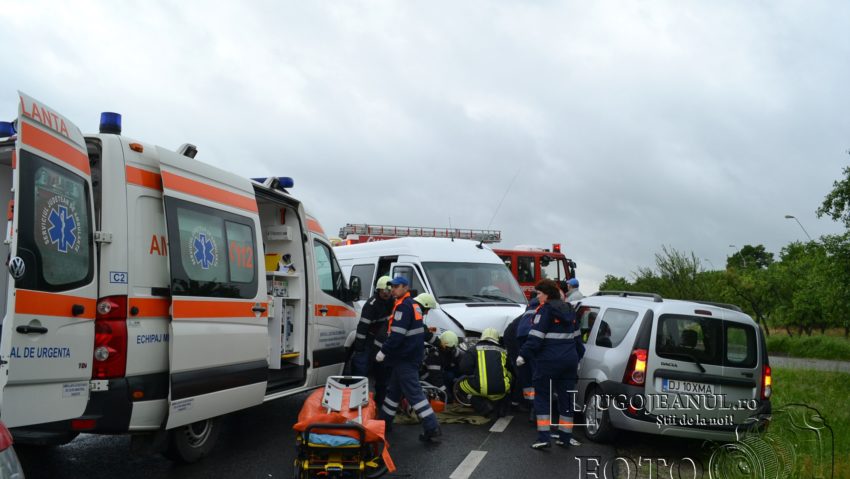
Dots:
pixel 354 288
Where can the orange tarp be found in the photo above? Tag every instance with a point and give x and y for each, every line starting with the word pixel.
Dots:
pixel 312 412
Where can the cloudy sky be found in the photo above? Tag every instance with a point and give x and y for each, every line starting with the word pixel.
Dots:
pixel 627 125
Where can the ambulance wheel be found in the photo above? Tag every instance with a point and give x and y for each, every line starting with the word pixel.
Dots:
pixel 598 423
pixel 191 442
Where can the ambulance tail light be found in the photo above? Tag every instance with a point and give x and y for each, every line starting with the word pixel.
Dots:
pixel 636 370
pixel 110 338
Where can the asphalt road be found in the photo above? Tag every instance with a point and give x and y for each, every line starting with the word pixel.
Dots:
pixel 258 443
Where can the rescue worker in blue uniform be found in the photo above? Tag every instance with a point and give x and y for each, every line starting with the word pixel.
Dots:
pixel 370 335
pixel 519 329
pixel 404 351
pixel 554 343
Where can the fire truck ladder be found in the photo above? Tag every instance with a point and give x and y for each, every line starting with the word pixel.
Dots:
pixel 487 236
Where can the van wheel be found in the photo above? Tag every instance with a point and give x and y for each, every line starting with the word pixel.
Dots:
pixel 599 427
pixel 192 442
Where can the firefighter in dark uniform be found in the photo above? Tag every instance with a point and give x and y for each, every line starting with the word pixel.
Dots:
pixel 404 351
pixel 488 378
pixel 554 343
pixel 371 332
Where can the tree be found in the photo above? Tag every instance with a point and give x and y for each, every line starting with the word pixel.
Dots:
pixel 614 283
pixel 750 257
pixel 836 204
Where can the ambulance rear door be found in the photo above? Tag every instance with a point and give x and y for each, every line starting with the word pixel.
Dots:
pixel 219 335
pixel 47 335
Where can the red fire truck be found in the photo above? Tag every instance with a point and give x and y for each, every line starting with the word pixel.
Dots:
pixel 530 264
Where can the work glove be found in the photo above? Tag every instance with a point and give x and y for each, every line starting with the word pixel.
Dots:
pixel 380 356
pixel 520 361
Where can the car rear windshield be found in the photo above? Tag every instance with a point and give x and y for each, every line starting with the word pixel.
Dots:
pixel 707 340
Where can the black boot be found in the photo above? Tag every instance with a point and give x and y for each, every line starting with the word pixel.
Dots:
pixel 431 434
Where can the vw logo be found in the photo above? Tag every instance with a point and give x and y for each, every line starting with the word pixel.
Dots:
pixel 17 267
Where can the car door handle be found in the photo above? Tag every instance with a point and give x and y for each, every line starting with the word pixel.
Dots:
pixel 31 329
pixel 259 309
pixel 77 309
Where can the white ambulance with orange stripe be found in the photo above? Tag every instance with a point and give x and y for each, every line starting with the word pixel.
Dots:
pixel 148 292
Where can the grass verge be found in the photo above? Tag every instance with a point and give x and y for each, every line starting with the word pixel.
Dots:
pixel 818 347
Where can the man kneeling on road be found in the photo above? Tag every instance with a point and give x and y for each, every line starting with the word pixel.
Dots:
pixel 404 351
pixel 488 378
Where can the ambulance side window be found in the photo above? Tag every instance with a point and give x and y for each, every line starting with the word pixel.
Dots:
pixel 55 227
pixel 328 271
pixel 212 251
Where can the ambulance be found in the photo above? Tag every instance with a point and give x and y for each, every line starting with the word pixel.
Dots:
pixel 149 293
pixel 473 289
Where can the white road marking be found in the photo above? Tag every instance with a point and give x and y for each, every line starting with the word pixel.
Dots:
pixel 465 468
pixel 501 424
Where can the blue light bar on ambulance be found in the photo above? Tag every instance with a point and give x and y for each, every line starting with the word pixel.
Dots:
pixel 110 122
pixel 6 129
pixel 279 183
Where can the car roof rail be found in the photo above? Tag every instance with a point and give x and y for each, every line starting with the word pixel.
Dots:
pixel 733 307
pixel 656 298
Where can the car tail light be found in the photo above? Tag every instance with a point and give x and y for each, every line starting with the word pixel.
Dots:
pixel 110 338
pixel 5 438
pixel 766 383
pixel 636 369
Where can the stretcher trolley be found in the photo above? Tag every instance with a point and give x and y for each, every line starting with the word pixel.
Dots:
pixel 338 435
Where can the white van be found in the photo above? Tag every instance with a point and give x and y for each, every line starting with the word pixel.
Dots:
pixel 150 292
pixel 473 288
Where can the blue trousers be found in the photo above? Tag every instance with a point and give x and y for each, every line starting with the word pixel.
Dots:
pixel 364 364
pixel 360 362
pixel 563 380
pixel 404 382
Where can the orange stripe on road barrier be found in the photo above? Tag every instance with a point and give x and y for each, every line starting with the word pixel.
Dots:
pixel 145 178
pixel 334 310
pixel 150 307
pixel 215 309
pixel 207 192
pixel 314 226
pixel 52 304
pixel 66 152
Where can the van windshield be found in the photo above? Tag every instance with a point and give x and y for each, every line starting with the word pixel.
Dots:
pixel 472 282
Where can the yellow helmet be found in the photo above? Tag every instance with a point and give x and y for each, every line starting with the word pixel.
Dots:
pixel 383 283
pixel 490 333
pixel 426 300
pixel 448 339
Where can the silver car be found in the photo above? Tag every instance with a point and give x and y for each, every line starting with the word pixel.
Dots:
pixel 670 367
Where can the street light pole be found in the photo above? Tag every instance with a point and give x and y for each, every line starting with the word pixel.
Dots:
pixel 792 217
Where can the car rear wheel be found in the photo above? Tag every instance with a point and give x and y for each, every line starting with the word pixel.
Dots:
pixel 191 442
pixel 598 423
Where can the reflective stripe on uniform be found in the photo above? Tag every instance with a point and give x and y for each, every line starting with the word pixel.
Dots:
pixel 378 343
pixel 360 336
pixel 388 411
pixel 565 423
pixel 543 423
pixel 562 335
pixel 392 403
pixel 539 334
pixel 421 404
pixel 528 393
pixel 482 373
pixel 426 412
pixel 434 367
pixel 415 331
pixel 399 330
pixel 366 321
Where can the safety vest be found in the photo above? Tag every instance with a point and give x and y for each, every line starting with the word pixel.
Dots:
pixel 417 311
pixel 492 380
